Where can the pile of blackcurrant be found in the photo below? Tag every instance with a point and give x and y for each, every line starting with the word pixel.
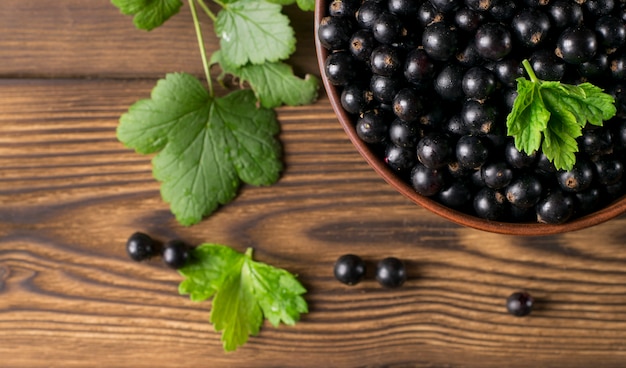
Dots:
pixel 429 83
pixel 141 247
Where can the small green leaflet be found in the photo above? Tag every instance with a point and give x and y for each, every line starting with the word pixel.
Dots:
pixel 149 14
pixel 306 5
pixel 551 115
pixel 206 145
pixel 254 31
pixel 244 292
pixel 273 83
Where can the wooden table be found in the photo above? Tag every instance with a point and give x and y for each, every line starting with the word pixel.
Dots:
pixel 71 194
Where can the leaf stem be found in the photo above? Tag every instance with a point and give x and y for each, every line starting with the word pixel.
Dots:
pixel 530 71
pixel 205 62
pixel 208 11
pixel 249 252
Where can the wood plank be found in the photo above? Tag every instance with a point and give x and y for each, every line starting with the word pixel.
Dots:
pixel 70 195
pixel 74 38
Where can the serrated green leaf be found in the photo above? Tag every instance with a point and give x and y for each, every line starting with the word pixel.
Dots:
pixel 207 145
pixel 600 106
pixel 245 291
pixel 273 83
pixel 528 118
pixel 148 14
pixel 254 31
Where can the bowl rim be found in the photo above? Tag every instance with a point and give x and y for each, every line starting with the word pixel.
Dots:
pixel 616 208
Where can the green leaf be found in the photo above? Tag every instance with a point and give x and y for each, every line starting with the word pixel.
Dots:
pixel 557 112
pixel 245 292
pixel 273 83
pixel 600 106
pixel 306 5
pixel 206 145
pixel 254 31
pixel 148 14
pixel 528 117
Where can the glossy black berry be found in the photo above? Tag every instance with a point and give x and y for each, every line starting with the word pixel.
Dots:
pixel 479 5
pixel 361 44
pixel 490 204
pixel 556 208
pixel 418 67
pixel 471 151
pixel 598 66
pixel 400 159
pixel 383 88
pixel 524 191
pixel 387 28
pixel 334 32
pixel 386 60
pixel 617 66
pixel 407 105
pixel 339 68
pixel 478 83
pixel 371 126
pixel 565 13
pixel 611 31
pixel 343 8
pixel 493 41
pixel 175 254
pixel 576 45
pixel 478 117
pixel 468 56
pixel 449 82
pixel 608 170
pixel 519 304
pixel 403 8
pixel 435 150
pixel 367 14
pixel 349 269
pixel 440 41
pixel 140 247
pixel 426 181
pixel 547 66
pixel 468 20
pixel 496 175
pixel 503 10
pixel 391 272
pixel 456 195
pixel 403 134
pixel 507 71
pixel 518 159
pixel 427 14
pixel 596 142
pixel 531 27
pixel 598 8
pixel 578 178
pixel 354 99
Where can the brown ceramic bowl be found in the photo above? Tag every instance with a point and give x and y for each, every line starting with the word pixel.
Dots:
pixel 529 229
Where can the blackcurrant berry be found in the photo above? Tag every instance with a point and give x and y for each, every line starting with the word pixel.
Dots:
pixel 343 8
pixel 577 45
pixel 490 204
pixel 478 83
pixel 339 68
pixel 456 195
pixel 354 99
pixel 479 118
pixel 435 150
pixel 519 304
pixel 403 8
pixel 371 126
pixel 387 28
pixel 531 27
pixel 391 272
pixel 503 10
pixel 547 66
pixel 578 178
pixel 349 269
pixel 403 134
pixel 496 175
pixel 440 41
pixel 425 181
pixel 468 20
pixel 449 82
pixel 418 67
pixel 556 208
pixel 368 12
pixel 383 88
pixel 400 159
pixel 140 247
pixel 493 41
pixel 524 191
pixel 471 151
pixel 611 32
pixel 175 254
pixel 407 105
pixel 386 60
pixel 361 44
pixel 334 32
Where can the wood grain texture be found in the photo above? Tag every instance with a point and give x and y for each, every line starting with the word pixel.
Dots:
pixel 70 195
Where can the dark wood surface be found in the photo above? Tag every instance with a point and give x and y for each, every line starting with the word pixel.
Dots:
pixel 70 195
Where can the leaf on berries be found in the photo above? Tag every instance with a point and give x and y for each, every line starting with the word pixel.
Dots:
pixel 244 292
pixel 206 146
pixel 273 83
pixel 557 112
pixel 254 31
pixel 148 14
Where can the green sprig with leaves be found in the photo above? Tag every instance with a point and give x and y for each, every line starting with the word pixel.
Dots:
pixel 244 292
pixel 206 145
pixel 550 115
